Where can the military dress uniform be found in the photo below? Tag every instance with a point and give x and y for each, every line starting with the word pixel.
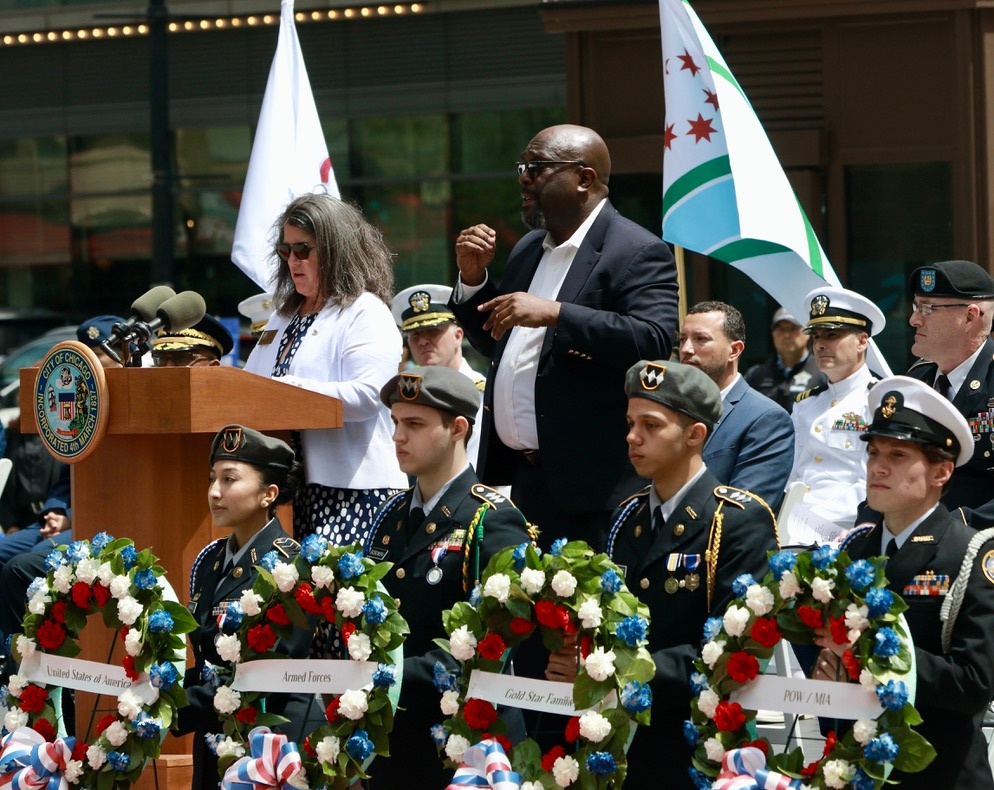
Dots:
pixel 683 570
pixel 437 558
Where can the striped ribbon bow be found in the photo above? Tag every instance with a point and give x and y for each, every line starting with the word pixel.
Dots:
pixel 485 765
pixel 29 762
pixel 274 762
pixel 745 769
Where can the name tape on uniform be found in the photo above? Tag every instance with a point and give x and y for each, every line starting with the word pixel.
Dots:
pixel 546 696
pixel 92 676
pixel 800 695
pixel 308 676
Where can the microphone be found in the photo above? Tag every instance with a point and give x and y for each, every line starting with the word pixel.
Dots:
pixel 175 313
pixel 142 309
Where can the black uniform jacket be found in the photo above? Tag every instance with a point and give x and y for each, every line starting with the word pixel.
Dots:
pixel 748 532
pixel 953 688
pixel 439 542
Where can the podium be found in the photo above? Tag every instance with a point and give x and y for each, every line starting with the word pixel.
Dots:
pixel 147 479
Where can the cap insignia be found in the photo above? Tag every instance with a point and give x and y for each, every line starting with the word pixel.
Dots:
pixel 652 375
pixel 420 301
pixel 93 333
pixel 409 386
pixel 888 407
pixel 231 440
pixel 926 280
pixel 819 305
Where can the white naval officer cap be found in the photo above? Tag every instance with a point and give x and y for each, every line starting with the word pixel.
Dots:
pixel 840 308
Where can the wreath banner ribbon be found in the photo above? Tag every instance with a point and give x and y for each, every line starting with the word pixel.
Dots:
pixel 32 763
pixel 545 696
pixel 274 762
pixel 801 695
pixel 485 765
pixel 303 675
pixel 82 675
pixel 745 769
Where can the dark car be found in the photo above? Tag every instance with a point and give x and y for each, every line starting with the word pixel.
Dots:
pixel 26 356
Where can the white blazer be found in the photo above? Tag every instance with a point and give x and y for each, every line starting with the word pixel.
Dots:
pixel 348 354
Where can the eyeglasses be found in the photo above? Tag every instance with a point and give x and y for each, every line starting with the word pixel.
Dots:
pixel 179 359
pixel 537 165
pixel 299 248
pixel 926 308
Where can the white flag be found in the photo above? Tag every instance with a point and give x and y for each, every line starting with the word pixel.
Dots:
pixel 289 155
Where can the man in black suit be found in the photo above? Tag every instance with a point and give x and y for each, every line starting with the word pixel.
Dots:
pixel 583 297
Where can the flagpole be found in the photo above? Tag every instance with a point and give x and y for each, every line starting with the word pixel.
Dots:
pixel 681 280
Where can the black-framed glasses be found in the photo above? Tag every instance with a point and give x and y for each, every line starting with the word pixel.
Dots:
pixel 926 308
pixel 299 248
pixel 534 167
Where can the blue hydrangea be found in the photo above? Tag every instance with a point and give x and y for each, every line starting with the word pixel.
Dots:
pixel 359 746
pixel 385 676
pixel 690 733
pixel 698 682
pixel 439 734
pixel 611 581
pixel 742 583
pixel 886 643
pixel 636 697
pixel 160 622
pixel 375 610
pixel 632 630
pixel 351 566
pixel 557 547
pixel 212 739
pixel 210 676
pixel 145 579
pixel 860 575
pixel 862 781
pixel 701 782
pixel 54 560
pixel 78 550
pixel 601 764
pixel 232 618
pixel 163 676
pixel 824 556
pixel 712 627
pixel 129 556
pixel 893 694
pixel 36 584
pixel 269 560
pixel 781 562
pixel 519 554
pixel 879 601
pixel 444 679
pixel 312 547
pixel 882 749
pixel 146 727
pixel 476 596
pixel 118 761
pixel 100 540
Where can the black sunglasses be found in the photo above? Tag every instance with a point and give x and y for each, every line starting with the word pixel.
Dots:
pixel 536 165
pixel 299 248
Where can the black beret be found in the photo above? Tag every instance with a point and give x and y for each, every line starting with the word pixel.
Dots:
pixel 436 386
pixel 955 279
pixel 238 443
pixel 683 388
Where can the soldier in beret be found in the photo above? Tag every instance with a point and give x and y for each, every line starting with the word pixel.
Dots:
pixel 915 440
pixel 681 542
pixel 251 474
pixel 200 345
pixel 434 535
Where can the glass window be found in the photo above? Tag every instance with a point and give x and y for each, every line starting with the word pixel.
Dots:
pixel 400 147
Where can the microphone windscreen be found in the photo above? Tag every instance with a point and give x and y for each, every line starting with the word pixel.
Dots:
pixel 146 305
pixel 183 310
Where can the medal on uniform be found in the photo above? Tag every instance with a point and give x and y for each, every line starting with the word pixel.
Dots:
pixel 691 562
pixel 438 550
pixel 671 585
pixel 434 575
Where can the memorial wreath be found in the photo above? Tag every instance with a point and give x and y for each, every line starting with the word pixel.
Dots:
pixel 800 593
pixel 570 593
pixel 338 585
pixel 124 586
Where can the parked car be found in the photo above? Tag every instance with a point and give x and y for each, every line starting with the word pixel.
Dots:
pixel 26 356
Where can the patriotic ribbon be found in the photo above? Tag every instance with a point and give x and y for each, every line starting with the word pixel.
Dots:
pixel 485 765
pixel 29 762
pixel 745 769
pixel 274 762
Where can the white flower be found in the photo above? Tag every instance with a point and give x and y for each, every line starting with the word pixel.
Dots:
pixel 16 685
pixel 463 644
pixel 96 757
pixel 353 704
pixel 735 620
pixel 322 576
pixel 228 647
pixel 707 702
pixel 25 646
pixel 838 773
pixel 39 601
pixel 590 613
pixel 532 581
pixel 715 751
pixel 789 586
pixel 450 703
pixel 328 749
pixel 15 718
pixel 129 610
pixel 350 601
pixel 133 642
pixel 594 727
pixel 864 730
pixel 298 780
pixel 229 746
pixel 250 603
pixel 712 651
pixel 129 705
pixel 455 747
pixel 531 786
pixel 116 733
pixel 759 599
pixel 105 573
pixel 119 586
pixel 360 647
pixel 564 584
pixel 74 770
pixel 856 621
pixel 62 578
pixel 86 570
pixel 600 665
pixel 227 700
pixel 821 589
pixel 867 681
pixel 498 586
pixel 565 771
pixel 285 575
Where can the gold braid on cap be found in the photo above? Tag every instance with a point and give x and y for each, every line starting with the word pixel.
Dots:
pixel 186 340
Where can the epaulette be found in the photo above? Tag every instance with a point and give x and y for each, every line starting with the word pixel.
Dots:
pixel 919 362
pixel 736 496
pixel 381 514
pixel 808 393
pixel 856 532
pixel 625 509
pixel 489 495
pixel 636 495
pixel 481 385
pixel 200 557
pixel 285 544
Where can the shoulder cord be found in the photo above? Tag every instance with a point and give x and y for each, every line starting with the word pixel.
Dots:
pixel 711 555
pixel 474 535
pixel 954 600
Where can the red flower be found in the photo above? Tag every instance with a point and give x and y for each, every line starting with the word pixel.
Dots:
pixel 101 594
pixel 505 742
pixel 573 729
pixel 550 757
pixel 308 748
pixel 328 608
pixel 519 625
pixel 129 667
pixel 105 722
pixel 331 712
pixel 492 647
pixel 809 770
pixel 81 594
pixel 347 630
pixel 837 626
pixel 553 615
pixel 810 616
pixel 764 630
pixel 51 635
pixel 586 645
pixel 278 615
pixel 45 729
pixel 124 631
pixel 33 698
pixel 79 750
pixel 246 715
pixel 261 638
pixel 830 741
pixel 304 596
pixel 728 716
pixel 569 627
pixel 479 714
pixel 852 664
pixel 742 667
pixel 763 746
pixel 59 612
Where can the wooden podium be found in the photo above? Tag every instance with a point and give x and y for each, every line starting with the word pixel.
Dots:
pixel 147 480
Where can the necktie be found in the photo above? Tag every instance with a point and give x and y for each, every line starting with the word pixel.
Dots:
pixel 943 387
pixel 657 521
pixel 416 518
pixel 891 548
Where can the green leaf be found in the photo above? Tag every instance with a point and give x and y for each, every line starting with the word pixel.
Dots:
pixel 916 753
pixel 183 622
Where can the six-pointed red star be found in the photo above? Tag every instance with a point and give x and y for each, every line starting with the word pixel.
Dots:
pixel 712 99
pixel 688 63
pixel 669 136
pixel 701 129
